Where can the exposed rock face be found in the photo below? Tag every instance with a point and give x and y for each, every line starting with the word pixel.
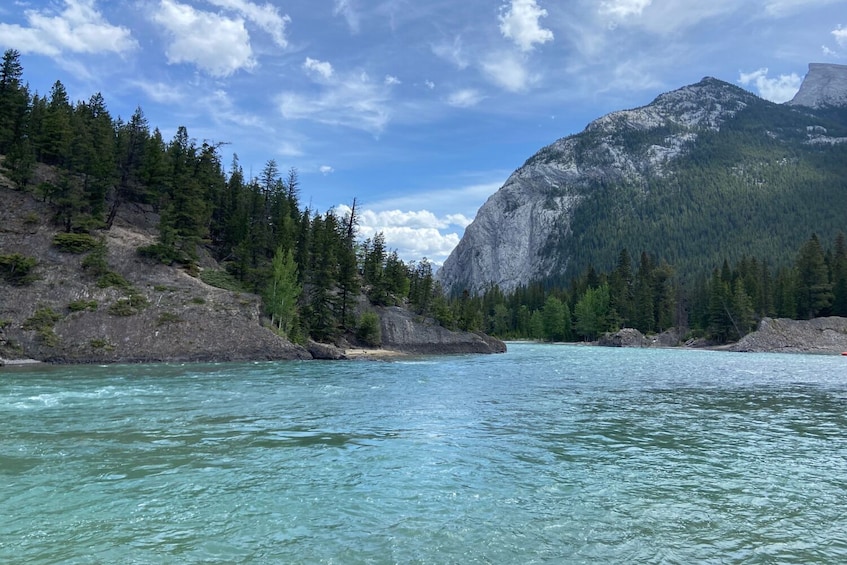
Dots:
pixel 526 230
pixel 820 335
pixel 184 319
pixel 824 85
pixel 505 244
pixel 626 337
pixel 403 331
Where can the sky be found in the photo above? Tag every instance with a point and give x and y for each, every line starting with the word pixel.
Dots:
pixel 417 109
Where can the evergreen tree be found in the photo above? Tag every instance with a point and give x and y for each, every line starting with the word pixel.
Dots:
pixel 814 290
pixel 591 312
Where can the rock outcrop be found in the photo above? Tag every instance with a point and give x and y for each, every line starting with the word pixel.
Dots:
pixel 403 331
pixel 824 85
pixel 533 228
pixel 509 241
pixel 820 335
pixel 162 313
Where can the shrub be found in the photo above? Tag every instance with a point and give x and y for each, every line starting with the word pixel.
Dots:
pixel 368 330
pixel 168 318
pixel 80 305
pixel 161 253
pixel 221 279
pixel 102 344
pixel 129 306
pixel 77 243
pixel 16 269
pixel 198 300
pixel 42 322
pixel 111 278
pixel 95 262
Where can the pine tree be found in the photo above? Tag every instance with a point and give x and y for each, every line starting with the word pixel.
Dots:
pixel 814 290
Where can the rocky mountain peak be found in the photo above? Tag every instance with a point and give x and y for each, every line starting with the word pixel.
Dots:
pixel 825 85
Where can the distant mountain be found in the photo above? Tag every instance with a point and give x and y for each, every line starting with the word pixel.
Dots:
pixel 703 173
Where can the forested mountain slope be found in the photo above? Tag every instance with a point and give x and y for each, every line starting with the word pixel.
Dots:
pixel 702 174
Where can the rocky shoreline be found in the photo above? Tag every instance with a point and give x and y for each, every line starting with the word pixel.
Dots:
pixel 774 335
pixel 159 313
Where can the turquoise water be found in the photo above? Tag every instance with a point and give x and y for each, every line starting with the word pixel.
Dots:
pixel 547 454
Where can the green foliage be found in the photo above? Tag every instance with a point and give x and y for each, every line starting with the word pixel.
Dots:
pixel 163 253
pixel 104 344
pixel 591 312
pixel 168 318
pixel 76 243
pixel 221 279
pixel 128 306
pixel 16 269
pixel 282 292
pixel 368 330
pixel 42 322
pixel 82 305
pixel 198 300
pixel 113 279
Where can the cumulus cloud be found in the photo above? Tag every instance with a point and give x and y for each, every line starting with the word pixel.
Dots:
pixel 322 68
pixel 79 28
pixel 326 170
pixel 413 234
pixel 392 80
pixel 519 22
pixel 352 100
pixel 508 72
pixel 840 36
pixel 429 84
pixel 266 16
pixel 216 44
pixel 779 89
pixel 465 98
pixel 624 8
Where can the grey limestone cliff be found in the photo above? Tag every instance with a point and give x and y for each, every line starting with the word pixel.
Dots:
pixel 824 85
pixel 526 230
pixel 505 243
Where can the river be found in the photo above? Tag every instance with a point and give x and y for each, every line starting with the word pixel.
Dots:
pixel 546 454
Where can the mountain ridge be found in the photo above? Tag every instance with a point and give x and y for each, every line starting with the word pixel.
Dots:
pixel 619 164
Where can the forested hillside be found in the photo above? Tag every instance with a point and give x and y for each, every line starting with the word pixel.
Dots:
pixel 307 264
pixel 758 186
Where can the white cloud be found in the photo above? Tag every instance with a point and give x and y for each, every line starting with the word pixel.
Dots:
pixel 429 84
pixel 414 234
pixel 79 28
pixel 840 35
pixel 624 8
pixel 780 89
pixel 508 72
pixel 288 148
pixel 345 9
pixel 265 16
pixel 322 68
pixel 465 98
pixel 160 92
pixel 217 44
pixel 392 80
pixel 452 52
pixel 519 22
pixel 326 170
pixel 352 101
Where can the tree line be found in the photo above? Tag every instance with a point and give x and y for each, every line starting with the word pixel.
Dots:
pixel 651 297
pixel 309 266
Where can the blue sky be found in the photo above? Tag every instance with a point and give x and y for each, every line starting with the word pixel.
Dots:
pixel 420 109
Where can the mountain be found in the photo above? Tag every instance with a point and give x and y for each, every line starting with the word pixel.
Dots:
pixel 704 173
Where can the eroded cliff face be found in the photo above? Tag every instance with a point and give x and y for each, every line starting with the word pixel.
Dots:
pixel 525 231
pixel 509 242
pixel 824 85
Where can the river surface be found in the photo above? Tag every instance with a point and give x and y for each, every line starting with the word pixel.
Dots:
pixel 546 454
